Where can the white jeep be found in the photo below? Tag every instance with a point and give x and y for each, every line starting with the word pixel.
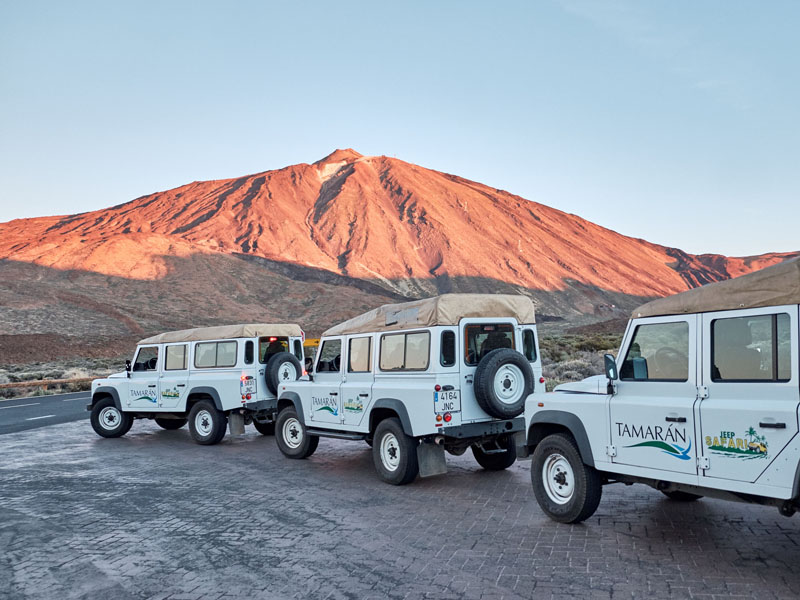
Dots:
pixel 417 379
pixel 702 400
pixel 203 376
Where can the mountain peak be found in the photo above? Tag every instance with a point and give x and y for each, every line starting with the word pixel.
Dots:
pixel 340 155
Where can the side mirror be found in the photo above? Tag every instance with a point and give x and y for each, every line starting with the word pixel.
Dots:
pixel 611 367
pixel 128 367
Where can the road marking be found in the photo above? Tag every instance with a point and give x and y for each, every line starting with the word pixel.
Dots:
pixel 18 405
pixel 44 417
pixel 73 399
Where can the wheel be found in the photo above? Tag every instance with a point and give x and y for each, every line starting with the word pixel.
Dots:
pixel 170 424
pixel 282 367
pixel 502 382
pixel 679 496
pixel 497 461
pixel 108 421
pixel 206 423
pixel 394 453
pixel 265 428
pixel 567 490
pixel 291 436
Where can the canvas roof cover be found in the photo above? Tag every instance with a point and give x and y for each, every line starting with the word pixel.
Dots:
pixel 773 286
pixel 220 332
pixel 447 309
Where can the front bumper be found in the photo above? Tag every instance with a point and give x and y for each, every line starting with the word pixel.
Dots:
pixel 484 428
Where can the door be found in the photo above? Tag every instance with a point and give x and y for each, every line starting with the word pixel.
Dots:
pixel 750 414
pixel 356 390
pixel 143 388
pixel 478 338
pixel 325 405
pixel 652 413
pixel 174 376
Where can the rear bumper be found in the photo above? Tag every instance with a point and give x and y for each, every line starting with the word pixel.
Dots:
pixel 270 405
pixel 475 430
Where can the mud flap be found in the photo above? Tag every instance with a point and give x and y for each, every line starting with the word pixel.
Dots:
pixel 431 460
pixel 521 444
pixel 236 423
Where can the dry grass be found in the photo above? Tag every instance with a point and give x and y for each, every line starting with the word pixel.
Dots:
pixel 75 368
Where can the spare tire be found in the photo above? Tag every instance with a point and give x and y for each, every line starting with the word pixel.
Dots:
pixel 282 367
pixel 502 382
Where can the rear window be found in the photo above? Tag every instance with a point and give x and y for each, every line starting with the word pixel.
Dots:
pixel 215 354
pixel 479 340
pixel 270 346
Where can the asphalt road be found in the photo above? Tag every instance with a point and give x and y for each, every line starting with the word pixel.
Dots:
pixel 20 414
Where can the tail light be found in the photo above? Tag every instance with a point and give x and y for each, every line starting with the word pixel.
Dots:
pixel 438 418
pixel 448 417
pixel 438 388
pixel 541 379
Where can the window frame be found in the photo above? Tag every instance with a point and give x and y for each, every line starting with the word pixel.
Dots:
pixel 185 356
pixel 654 379
pixel 277 337
pixel 139 351
pixel 525 331
pixel 249 344
pixel 405 351
pixel 369 352
pixel 318 356
pixel 455 349
pixel 216 354
pixel 775 341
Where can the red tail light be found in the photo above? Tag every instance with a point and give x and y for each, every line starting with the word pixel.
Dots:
pixel 438 388
pixel 448 417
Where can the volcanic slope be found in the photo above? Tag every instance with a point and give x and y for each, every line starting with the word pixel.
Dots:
pixel 373 227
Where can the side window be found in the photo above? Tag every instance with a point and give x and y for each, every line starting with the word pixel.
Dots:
pixel 298 349
pixel 147 359
pixel 359 355
pixel 756 348
pixel 175 358
pixel 658 352
pixel 330 357
pixel 248 352
pixel 481 339
pixel 529 345
pixel 405 351
pixel 269 346
pixel 215 354
pixel 447 355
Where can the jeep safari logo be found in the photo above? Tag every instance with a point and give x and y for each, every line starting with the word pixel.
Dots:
pixel 750 445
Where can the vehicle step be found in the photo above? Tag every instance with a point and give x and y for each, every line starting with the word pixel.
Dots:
pixel 336 434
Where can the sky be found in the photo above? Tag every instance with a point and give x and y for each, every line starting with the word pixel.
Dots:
pixel 673 121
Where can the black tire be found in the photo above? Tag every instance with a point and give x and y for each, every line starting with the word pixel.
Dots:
pixel 514 377
pixel 679 496
pixel 555 458
pixel 207 424
pixel 282 367
pixel 291 436
pixel 265 428
pixel 108 421
pixel 170 424
pixel 497 461
pixel 394 453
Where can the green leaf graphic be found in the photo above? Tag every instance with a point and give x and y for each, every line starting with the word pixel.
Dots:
pixel 656 444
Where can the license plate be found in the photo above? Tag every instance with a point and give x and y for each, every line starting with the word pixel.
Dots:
pixel 447 401
pixel 247 386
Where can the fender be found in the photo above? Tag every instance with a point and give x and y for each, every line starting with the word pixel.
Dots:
pixel 294 398
pixel 572 423
pixel 209 391
pixel 396 406
pixel 104 389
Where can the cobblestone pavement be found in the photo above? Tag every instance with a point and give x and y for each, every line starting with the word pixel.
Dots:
pixel 152 515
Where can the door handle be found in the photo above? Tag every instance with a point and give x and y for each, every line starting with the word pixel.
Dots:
pixel 152 385
pixel 772 425
pixel 676 419
pixel 364 395
pixel 447 388
pixel 334 393
pixel 181 385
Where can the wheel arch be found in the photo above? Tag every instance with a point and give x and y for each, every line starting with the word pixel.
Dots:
pixel 292 399
pixel 202 393
pixel 386 408
pixel 548 422
pixel 105 391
